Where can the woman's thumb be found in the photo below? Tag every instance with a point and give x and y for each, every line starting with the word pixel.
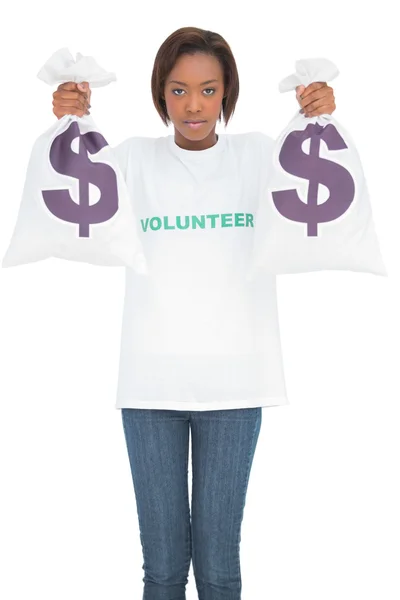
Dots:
pixel 83 86
pixel 300 89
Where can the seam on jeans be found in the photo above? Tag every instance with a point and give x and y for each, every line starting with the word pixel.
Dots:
pixel 251 452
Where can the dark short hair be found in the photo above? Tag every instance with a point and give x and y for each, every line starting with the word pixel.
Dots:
pixel 192 40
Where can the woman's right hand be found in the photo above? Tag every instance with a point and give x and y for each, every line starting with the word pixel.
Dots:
pixel 69 99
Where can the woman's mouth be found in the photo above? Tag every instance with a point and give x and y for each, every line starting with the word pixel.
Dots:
pixel 195 125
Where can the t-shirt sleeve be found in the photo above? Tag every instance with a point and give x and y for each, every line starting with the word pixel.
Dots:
pixel 121 153
pixel 266 145
pixel 267 141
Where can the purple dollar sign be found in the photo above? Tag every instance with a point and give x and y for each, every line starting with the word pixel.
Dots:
pixel 67 162
pixel 317 170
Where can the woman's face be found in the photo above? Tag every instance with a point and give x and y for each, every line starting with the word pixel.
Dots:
pixel 193 98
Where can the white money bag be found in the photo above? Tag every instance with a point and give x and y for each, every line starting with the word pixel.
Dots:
pixel 75 203
pixel 315 213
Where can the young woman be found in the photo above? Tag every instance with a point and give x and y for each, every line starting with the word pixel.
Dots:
pixel 200 347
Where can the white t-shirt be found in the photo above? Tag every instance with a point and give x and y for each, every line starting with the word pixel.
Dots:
pixel 196 335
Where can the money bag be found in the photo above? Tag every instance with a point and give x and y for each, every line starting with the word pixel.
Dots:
pixel 75 202
pixel 315 211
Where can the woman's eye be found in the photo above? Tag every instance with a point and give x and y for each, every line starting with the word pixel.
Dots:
pixel 181 90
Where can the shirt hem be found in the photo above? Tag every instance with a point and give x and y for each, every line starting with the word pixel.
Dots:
pixel 186 405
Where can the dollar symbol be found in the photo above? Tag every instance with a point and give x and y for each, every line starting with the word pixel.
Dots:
pixel 67 162
pixel 317 170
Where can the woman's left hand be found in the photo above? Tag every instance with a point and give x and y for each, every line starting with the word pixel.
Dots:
pixel 316 99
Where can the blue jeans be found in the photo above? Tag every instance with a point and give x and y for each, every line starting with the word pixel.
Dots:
pixel 223 446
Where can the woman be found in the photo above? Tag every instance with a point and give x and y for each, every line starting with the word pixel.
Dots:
pixel 200 347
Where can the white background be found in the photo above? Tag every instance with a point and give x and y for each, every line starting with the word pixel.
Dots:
pixel 321 519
